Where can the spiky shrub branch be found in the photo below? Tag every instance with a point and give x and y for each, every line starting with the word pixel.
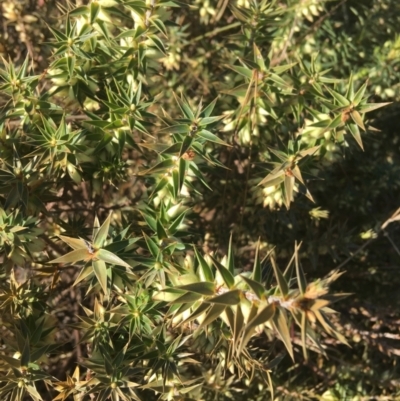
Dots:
pixel 155 304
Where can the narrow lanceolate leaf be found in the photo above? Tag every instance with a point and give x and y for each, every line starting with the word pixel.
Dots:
pixel 297 173
pixel 100 271
pixel 339 98
pixel 256 275
pixel 274 178
pixel 238 324
pixel 206 112
pixel 153 248
pixel 109 257
pixel 163 166
pixel 209 136
pixel 281 325
pixel 367 107
pixel 228 298
pixel 76 243
pixel 185 107
pixel 189 297
pixel 214 313
pixel 289 185
pixel 168 295
pixel 356 116
pixel 231 260
pixel 225 273
pixel 204 288
pixel 204 270
pixel 304 334
pixel 262 317
pixel 353 128
pixel 301 279
pixel 26 354
pixel 101 235
pixel 72 257
pixel 282 284
pixel 246 72
pixel 255 286
pixel 197 313
pixel 329 328
pixel 359 95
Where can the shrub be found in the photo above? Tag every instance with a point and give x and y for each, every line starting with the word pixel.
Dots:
pixel 155 177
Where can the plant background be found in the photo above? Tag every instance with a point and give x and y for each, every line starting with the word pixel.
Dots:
pixel 354 191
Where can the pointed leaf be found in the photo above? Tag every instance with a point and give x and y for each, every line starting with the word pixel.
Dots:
pixel 227 298
pixel 109 257
pixel 225 273
pixel 257 265
pixel 73 257
pixel 231 261
pixel 353 128
pixel 355 115
pixel 255 286
pixel 214 313
pixel 211 137
pixel 282 284
pixel 204 270
pixel 101 235
pixel 281 325
pixel 100 271
pixel 203 288
pixel 76 243
pixel 263 316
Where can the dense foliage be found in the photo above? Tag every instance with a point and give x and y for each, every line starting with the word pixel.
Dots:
pixel 182 187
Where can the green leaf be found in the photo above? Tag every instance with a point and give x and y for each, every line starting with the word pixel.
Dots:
pixel 353 128
pixel 359 95
pixel 238 324
pixel 109 257
pixel 367 107
pixel 244 71
pixel 263 316
pixel 255 286
pixel 231 260
pixel 73 257
pixel 225 273
pixel 281 325
pixel 339 98
pixel 151 245
pixel 282 284
pixel 289 185
pixel 206 112
pixel 161 233
pixel 355 115
pixel 227 298
pixel 101 235
pixel 26 354
pixel 163 166
pixel 158 44
pixel 211 137
pixel 185 298
pixel 214 312
pixel 204 288
pixel 205 272
pixel 186 144
pixel 100 271
pixel 301 279
pixel 74 242
pixel 94 11
pixel 185 107
pixel 256 274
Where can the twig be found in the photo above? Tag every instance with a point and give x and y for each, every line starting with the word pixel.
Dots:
pixel 394 217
